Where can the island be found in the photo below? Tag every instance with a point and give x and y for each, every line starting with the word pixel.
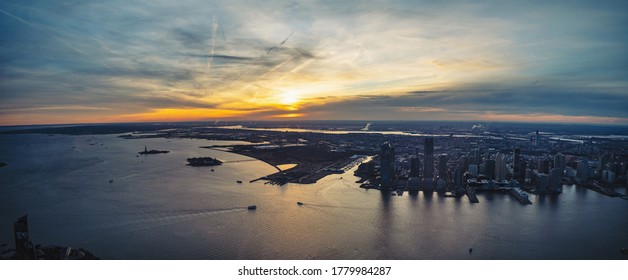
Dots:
pixel 152 152
pixel 203 161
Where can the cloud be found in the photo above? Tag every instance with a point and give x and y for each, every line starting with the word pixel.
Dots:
pixel 385 59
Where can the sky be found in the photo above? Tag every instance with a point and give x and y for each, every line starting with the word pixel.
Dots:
pixel 132 61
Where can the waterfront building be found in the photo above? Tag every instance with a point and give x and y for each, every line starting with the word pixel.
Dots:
pixel 500 167
pixel 555 185
pixel 464 163
pixel 442 167
pixel 458 177
pixel 583 170
pixel 415 167
pixel 428 170
pixel 543 166
pixel 528 178
pixel 522 171
pixel 441 184
pixel 559 161
pixel 516 154
pixel 490 169
pixel 387 165
pixel 608 176
pixel 413 183
pixel 602 160
pixel 543 182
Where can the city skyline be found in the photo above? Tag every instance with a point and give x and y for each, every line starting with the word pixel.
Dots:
pixel 93 62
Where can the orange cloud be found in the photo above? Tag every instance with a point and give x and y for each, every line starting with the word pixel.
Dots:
pixel 174 115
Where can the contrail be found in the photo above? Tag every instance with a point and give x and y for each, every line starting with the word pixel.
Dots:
pixel 284 41
pixel 280 44
pixel 52 33
pixel 36 26
pixel 267 72
pixel 210 59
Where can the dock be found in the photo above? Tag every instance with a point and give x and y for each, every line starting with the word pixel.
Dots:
pixel 472 197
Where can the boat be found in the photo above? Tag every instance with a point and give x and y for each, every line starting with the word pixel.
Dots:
pixel 299 203
pixel 239 182
pixel 111 181
pixel 470 250
pixel 212 170
pixel 252 207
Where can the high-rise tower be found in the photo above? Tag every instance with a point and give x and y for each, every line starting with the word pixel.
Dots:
pixel 387 165
pixel 415 167
pixel 516 164
pixel 428 170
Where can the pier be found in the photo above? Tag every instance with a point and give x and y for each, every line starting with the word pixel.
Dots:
pixel 472 197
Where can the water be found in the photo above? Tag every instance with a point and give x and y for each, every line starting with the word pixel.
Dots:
pixel 307 130
pixel 158 208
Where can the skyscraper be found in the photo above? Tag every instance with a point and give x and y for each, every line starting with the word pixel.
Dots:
pixel 583 171
pixel 428 170
pixel 490 169
pixel 500 167
pixel 464 163
pixel 543 166
pixel 387 165
pixel 555 185
pixel 516 164
pixel 442 167
pixel 536 139
pixel 602 160
pixel 559 162
pixel 458 177
pixel 522 171
pixel 415 167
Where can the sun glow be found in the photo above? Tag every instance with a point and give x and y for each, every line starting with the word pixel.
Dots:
pixel 290 100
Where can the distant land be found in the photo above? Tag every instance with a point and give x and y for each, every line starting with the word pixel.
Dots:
pixel 401 125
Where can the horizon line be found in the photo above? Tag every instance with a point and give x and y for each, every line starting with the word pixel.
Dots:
pixel 315 120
